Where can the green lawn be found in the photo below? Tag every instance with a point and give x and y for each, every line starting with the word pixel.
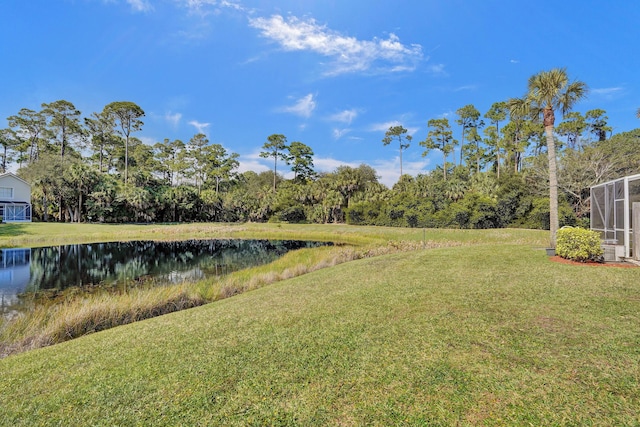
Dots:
pixel 480 334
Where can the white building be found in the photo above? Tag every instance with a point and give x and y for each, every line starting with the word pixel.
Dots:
pixel 15 198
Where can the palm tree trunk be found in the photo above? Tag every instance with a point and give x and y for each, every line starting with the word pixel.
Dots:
pixel 554 222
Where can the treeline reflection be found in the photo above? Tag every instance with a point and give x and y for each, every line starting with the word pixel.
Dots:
pixel 116 264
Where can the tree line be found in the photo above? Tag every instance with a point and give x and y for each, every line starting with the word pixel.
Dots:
pixel 95 169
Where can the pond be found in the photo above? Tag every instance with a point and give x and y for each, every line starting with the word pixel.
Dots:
pixel 116 266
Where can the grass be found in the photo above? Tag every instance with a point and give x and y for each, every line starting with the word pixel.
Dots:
pixel 474 335
pixel 81 314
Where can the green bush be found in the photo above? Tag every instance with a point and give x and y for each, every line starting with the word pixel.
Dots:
pixel 293 214
pixel 578 244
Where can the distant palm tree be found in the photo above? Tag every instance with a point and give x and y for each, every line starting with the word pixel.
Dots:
pixel 455 190
pixel 638 113
pixel 549 91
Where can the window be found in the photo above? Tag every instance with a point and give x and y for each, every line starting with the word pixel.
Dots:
pixel 6 193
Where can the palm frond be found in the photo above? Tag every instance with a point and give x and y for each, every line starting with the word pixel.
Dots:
pixel 518 107
pixel 574 92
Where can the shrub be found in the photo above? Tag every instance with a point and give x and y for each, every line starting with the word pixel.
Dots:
pixel 293 214
pixel 579 244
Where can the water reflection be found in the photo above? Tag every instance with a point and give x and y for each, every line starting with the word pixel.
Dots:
pixel 29 271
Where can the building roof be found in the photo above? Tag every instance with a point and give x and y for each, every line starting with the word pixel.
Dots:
pixel 15 176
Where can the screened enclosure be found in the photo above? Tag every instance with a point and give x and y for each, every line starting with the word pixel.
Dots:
pixel 611 206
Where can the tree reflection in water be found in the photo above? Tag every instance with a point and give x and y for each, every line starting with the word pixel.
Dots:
pixel 119 265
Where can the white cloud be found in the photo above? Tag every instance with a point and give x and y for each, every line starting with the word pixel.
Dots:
pixel 173 119
pixel 201 127
pixel 389 170
pixel 327 164
pixel 466 87
pixel 412 130
pixel 437 69
pixel 198 4
pixel 339 133
pixel 201 26
pixel 346 116
pixel 607 91
pixel 148 140
pixel 253 162
pixel 249 164
pixel 140 5
pixel 383 127
pixel 303 106
pixel 348 53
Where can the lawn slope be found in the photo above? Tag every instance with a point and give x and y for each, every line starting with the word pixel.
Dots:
pixel 479 335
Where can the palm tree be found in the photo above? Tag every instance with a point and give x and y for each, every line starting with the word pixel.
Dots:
pixel 455 190
pixel 549 91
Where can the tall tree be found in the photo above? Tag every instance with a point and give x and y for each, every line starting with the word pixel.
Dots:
pixel 572 127
pixel 475 154
pixel 624 150
pixel 126 116
pixel 171 156
pixel 468 117
pixel 29 126
pixel 274 147
pixel 47 175
pixel 300 158
pixel 63 127
pixel 497 113
pixel 143 161
pixel 63 123
pixel 197 155
pixel 102 140
pixel 221 164
pixel 8 143
pixel 398 133
pixel 597 123
pixel 440 137
pixel 348 181
pixel 518 134
pixel 494 144
pixel 547 92
pixel 82 178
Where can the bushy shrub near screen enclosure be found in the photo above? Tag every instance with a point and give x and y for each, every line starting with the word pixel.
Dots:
pixel 579 244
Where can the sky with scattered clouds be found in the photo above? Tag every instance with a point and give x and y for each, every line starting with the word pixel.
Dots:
pixel 333 74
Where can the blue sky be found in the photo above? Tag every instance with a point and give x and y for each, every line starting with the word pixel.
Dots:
pixel 333 74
